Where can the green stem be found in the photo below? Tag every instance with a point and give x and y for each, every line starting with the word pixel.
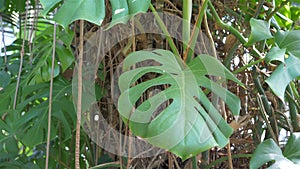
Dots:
pixel 294 89
pixel 222 159
pixel 265 107
pixel 276 10
pixel 187 15
pixel 247 66
pixel 168 36
pixel 194 163
pixel 258 9
pixel 204 159
pixel 231 29
pixel 293 109
pixel 190 50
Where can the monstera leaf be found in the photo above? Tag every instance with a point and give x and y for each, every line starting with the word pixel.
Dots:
pixel 32 125
pixel 275 54
pixel 287 41
pixel 269 151
pixel 94 10
pixel 259 31
pixel 190 124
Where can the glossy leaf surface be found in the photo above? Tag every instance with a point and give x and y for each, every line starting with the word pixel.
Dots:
pixel 190 124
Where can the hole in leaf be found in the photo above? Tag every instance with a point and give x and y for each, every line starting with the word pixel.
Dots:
pixel 146 63
pixel 150 92
pixel 160 108
pixel 145 77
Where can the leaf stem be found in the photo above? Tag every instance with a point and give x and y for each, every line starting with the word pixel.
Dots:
pixel 292 109
pixel 187 15
pixel 194 162
pixel 265 108
pixel 188 53
pixel 261 99
pixel 230 55
pixel 276 10
pixel 247 66
pixel 259 7
pixel 168 36
pixel 231 29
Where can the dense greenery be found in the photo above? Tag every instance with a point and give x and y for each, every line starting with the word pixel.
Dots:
pixel 243 96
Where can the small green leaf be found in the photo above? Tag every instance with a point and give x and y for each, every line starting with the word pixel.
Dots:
pixel 289 40
pixel 259 31
pixel 265 152
pixel 269 151
pixel 292 148
pixel 5 79
pixel 275 54
pixel 283 75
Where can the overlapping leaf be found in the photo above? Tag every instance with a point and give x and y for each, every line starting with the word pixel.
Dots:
pixel 290 69
pixel 190 124
pixel 43 52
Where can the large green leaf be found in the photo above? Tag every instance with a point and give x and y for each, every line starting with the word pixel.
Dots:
pixel 190 124
pixel 269 151
pixel 122 9
pixel 259 31
pixel 48 5
pixel 94 10
pixel 72 10
pixel 283 75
